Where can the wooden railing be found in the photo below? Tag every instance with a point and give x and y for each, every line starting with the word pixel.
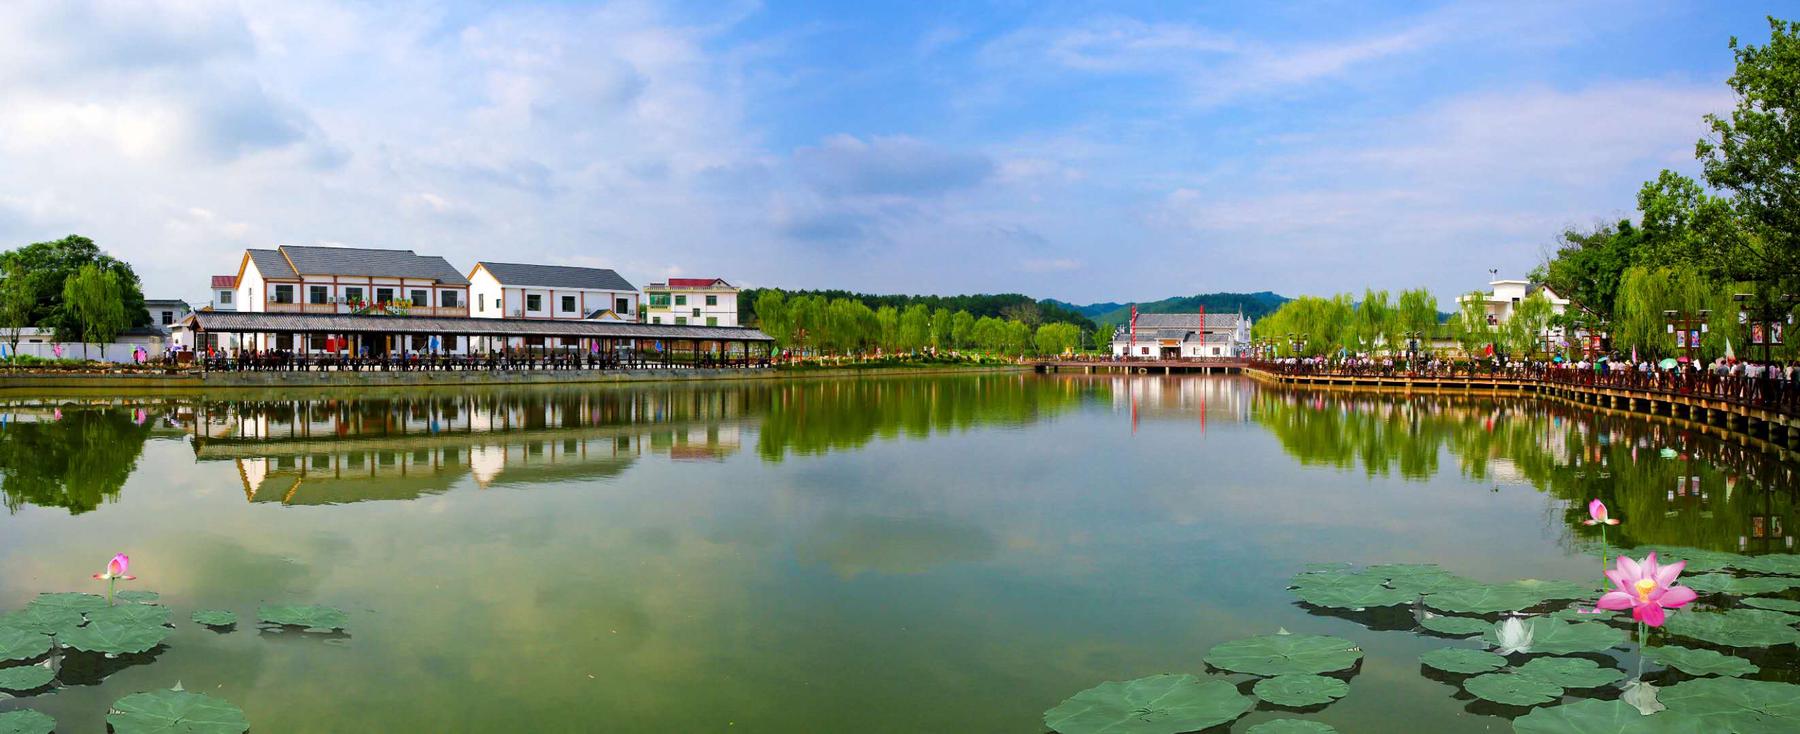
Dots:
pixel 345 308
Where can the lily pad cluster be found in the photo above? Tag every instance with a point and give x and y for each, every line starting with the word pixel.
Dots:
pixel 1385 585
pixel 82 622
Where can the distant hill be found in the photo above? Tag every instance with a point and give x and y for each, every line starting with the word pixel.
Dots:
pixel 1254 305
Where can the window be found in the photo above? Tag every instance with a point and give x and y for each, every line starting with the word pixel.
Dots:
pixel 420 342
pixel 384 295
pixel 681 320
pixel 225 297
pixel 655 319
pixel 448 299
pixel 534 303
pixel 568 303
pixel 353 294
pixel 712 321
pixel 316 342
pixel 681 300
pixel 481 303
pixel 420 298
pixel 317 294
pixel 659 300
pixel 696 313
pixel 712 300
pixel 622 306
pixel 1143 350
pixel 282 294
pixel 168 317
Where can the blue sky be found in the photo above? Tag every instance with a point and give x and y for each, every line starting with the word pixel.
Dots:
pixel 1113 151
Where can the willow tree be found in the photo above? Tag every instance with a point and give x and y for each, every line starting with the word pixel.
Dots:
pixel 1470 324
pixel 1374 319
pixel 1647 295
pixel 96 299
pixel 943 329
pixel 1416 311
pixel 1527 328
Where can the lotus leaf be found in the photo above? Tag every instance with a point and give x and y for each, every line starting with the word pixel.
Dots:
pixel 114 638
pixel 1734 628
pixel 138 597
pixel 1158 704
pixel 1582 614
pixel 25 677
pixel 1513 689
pixel 1700 661
pixel 1555 637
pixel 1405 570
pixel 314 618
pixel 1326 567
pixel 1356 597
pixel 1456 626
pixel 1284 654
pixel 22 644
pixel 1594 716
pixel 1721 583
pixel 1744 706
pixel 1462 660
pixel 69 600
pixel 1780 605
pixel 1571 672
pixel 48 620
pixel 175 712
pixel 1291 726
pixel 1698 559
pixel 215 617
pixel 1784 564
pixel 143 614
pixel 26 721
pixel 1509 597
pixel 1300 690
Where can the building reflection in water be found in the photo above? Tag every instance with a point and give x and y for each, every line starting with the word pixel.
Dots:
pixel 335 451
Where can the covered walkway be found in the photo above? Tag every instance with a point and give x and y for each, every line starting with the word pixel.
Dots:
pixel 287 341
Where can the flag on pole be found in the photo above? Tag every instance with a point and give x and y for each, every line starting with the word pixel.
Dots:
pixel 1132 341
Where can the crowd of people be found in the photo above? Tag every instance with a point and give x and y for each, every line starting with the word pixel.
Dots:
pixel 281 360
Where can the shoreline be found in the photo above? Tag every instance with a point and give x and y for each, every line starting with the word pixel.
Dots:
pixel 35 383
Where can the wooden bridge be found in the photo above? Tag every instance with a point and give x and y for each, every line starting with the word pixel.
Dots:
pixel 1143 366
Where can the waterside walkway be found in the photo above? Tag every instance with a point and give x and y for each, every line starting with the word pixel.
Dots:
pixel 1763 408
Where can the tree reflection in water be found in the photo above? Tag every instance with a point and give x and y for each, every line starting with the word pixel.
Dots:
pixel 1672 484
pixel 74 458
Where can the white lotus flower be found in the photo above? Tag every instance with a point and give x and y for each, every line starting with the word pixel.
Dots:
pixel 1514 635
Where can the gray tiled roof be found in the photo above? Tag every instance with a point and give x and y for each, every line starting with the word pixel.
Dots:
pixel 1185 321
pixel 310 260
pixel 557 276
pixel 271 264
pixel 248 322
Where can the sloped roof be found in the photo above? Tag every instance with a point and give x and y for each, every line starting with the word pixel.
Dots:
pixel 271 264
pixel 557 276
pixel 696 282
pixel 312 260
pixel 1185 321
pixel 247 322
pixel 224 281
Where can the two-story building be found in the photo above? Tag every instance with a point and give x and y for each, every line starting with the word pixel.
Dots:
pixel 692 301
pixel 1505 297
pixel 518 291
pixel 345 280
pixel 1183 336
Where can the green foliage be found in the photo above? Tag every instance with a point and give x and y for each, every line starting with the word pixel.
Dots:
pixel 1737 704
pixel 1462 660
pixel 1700 661
pixel 1734 628
pixel 215 618
pixel 1052 339
pixel 175 712
pixel 1255 306
pixel 129 614
pixel 1557 637
pixel 45 266
pixel 136 596
pixel 1507 597
pixel 1284 654
pixel 25 678
pixel 1591 716
pixel 115 638
pixel 1571 672
pixel 26 721
pixel 1002 305
pixel 43 620
pixel 1158 704
pixel 1296 691
pixel 1291 726
pixel 1587 266
pixel 1753 156
pixel 1513 689
pixel 94 298
pixel 1454 626
pixel 314 618
pixel 1720 583
pixel 18 643
pixel 70 601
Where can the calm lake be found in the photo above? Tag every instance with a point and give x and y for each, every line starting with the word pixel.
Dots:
pixel 903 554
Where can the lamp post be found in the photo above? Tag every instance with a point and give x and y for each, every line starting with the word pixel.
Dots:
pixel 1688 337
pixel 1766 312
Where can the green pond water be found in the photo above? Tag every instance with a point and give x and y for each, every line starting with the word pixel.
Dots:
pixel 904 554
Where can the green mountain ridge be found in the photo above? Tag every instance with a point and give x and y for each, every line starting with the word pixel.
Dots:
pixel 1254 305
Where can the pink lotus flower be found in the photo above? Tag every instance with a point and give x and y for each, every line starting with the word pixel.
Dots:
pixel 1646 589
pixel 1597 513
pixel 117 568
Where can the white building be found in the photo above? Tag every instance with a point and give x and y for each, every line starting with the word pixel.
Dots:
pixel 692 301
pixel 1505 296
pixel 515 291
pixel 346 280
pixel 166 312
pixel 224 293
pixel 1181 336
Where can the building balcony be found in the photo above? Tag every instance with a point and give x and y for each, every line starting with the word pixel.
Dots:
pixel 333 308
